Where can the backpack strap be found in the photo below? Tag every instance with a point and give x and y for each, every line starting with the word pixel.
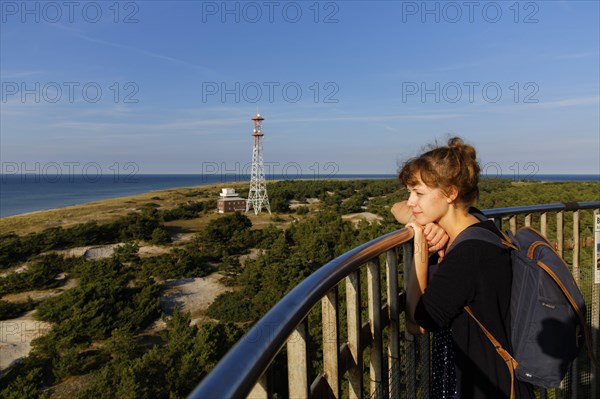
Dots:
pixel 510 361
pixel 482 234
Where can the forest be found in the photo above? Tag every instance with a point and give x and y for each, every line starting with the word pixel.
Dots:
pixel 98 334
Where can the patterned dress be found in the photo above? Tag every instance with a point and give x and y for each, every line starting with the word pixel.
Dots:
pixel 443 373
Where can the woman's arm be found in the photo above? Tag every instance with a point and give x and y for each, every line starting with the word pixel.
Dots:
pixel 417 279
pixel 436 236
pixel 402 212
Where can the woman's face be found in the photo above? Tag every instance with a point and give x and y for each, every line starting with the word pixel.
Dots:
pixel 427 204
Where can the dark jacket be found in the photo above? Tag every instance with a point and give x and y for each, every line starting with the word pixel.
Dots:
pixel 477 274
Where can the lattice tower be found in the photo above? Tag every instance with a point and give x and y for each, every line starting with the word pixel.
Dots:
pixel 257 197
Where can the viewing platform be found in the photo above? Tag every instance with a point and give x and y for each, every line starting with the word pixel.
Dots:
pixel 363 349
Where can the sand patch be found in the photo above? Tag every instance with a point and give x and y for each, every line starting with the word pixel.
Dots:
pixel 17 269
pixel 16 336
pixel 182 237
pixel 253 254
pixel 153 250
pixel 42 295
pixel 357 217
pixel 193 295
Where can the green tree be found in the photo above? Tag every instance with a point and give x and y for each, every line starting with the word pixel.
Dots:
pixel 128 252
pixel 26 386
pixel 40 275
pixel 160 236
pixel 229 234
pixel 9 310
pixel 120 346
pixel 302 210
pixel 354 204
pixel 106 298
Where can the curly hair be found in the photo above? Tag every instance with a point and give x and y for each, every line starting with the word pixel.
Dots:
pixel 452 165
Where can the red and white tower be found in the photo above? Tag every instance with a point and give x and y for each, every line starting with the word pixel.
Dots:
pixel 257 197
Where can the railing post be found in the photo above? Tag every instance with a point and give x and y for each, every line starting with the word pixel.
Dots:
pixel 409 343
pixel 560 236
pixel 576 246
pixel 331 342
pixel 544 224
pixel 498 222
pixel 528 220
pixel 394 330
pixel 560 240
pixel 260 389
pixel 575 365
pixel 595 320
pixel 297 360
pixel 376 350
pixel 513 223
pixel 355 374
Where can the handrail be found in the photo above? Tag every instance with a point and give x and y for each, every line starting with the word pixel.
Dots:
pixel 520 210
pixel 235 375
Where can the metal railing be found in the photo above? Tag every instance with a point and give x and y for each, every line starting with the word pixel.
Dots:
pixel 394 363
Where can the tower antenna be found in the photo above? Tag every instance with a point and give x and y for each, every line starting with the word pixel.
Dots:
pixel 257 196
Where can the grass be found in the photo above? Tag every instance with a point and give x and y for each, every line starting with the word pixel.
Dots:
pixel 108 210
pixel 112 209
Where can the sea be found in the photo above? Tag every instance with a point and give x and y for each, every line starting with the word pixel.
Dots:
pixel 25 193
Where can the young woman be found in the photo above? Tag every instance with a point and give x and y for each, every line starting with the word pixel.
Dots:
pixel 443 374
pixel 442 185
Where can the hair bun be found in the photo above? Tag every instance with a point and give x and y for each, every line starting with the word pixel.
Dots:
pixel 456 143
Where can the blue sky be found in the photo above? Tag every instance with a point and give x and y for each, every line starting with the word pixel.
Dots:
pixel 344 86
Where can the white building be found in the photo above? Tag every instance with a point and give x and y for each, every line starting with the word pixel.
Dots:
pixel 230 201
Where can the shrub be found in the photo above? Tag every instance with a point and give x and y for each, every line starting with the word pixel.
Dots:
pixel 9 310
pixel 160 236
pixel 302 210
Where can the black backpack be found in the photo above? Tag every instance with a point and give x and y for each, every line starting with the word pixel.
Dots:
pixel 547 309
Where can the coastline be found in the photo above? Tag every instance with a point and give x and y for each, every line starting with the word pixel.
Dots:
pixel 106 210
pixel 20 195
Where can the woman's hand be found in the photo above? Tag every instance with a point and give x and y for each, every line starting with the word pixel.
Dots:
pixel 436 237
pixel 434 234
